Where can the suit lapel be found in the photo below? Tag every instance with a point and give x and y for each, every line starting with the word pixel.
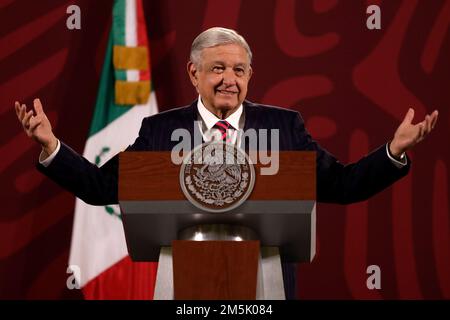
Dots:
pixel 188 119
pixel 252 120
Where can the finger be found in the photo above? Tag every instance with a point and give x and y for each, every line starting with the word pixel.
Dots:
pixel 26 119
pixel 420 131
pixel 23 109
pixel 427 124
pixel 409 116
pixel 434 117
pixel 34 122
pixel 38 106
pixel 423 129
pixel 17 108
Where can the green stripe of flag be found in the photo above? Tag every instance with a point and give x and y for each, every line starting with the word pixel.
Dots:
pixel 119 25
pixel 119 12
pixel 106 110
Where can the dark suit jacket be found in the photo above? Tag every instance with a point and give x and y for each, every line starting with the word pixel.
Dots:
pixel 336 182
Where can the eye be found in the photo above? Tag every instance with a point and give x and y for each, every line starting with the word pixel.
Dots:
pixel 218 69
pixel 239 71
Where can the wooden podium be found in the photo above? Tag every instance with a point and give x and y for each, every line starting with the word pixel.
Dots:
pixel 199 257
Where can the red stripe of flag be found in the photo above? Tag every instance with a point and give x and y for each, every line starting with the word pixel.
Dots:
pixel 142 37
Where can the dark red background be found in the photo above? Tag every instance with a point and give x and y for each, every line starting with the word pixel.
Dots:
pixel 352 86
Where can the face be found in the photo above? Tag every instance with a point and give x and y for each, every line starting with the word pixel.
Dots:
pixel 222 78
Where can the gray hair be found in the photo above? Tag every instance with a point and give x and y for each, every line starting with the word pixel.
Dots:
pixel 215 37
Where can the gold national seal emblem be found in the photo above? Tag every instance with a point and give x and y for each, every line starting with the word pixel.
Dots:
pixel 217 177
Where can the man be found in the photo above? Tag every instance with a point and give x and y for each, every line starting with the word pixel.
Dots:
pixel 220 70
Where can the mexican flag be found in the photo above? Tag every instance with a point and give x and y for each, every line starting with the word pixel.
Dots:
pixel 98 247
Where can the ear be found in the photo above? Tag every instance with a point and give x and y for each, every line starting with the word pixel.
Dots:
pixel 250 72
pixel 192 72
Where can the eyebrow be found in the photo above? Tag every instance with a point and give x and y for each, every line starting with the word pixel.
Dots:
pixel 240 64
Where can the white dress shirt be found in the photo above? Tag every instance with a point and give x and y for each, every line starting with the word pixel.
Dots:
pixel 207 120
pixel 46 162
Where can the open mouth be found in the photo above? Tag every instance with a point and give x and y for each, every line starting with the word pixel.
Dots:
pixel 227 92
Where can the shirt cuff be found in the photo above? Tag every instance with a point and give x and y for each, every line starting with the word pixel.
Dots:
pixel 403 161
pixel 46 162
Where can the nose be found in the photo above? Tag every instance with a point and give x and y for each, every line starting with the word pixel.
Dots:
pixel 229 77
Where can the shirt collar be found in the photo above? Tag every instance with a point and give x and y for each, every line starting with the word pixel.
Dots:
pixel 210 119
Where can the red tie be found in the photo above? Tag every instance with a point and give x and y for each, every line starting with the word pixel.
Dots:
pixel 222 126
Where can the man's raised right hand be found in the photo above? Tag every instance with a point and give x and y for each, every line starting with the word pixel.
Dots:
pixel 37 126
